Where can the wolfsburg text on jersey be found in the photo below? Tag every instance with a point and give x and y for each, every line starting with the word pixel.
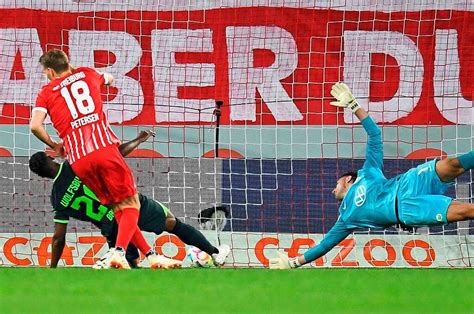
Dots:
pixel 70 192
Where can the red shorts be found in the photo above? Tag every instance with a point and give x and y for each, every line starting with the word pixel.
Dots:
pixel 106 173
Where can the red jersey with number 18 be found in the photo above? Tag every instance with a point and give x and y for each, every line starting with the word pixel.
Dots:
pixel 75 107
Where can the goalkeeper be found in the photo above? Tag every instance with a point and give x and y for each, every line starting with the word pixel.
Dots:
pixel 369 200
pixel 71 198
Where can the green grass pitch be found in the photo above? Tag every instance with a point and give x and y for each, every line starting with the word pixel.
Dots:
pixel 77 290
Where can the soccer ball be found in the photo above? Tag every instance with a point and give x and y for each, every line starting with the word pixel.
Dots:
pixel 199 258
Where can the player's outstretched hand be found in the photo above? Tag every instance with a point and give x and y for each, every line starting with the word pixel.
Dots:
pixel 280 262
pixel 344 97
pixel 59 150
pixel 144 135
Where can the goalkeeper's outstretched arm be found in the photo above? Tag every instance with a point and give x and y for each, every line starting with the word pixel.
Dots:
pixel 374 151
pixel 337 233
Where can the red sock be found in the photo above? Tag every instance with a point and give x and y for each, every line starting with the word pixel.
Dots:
pixel 140 242
pixel 127 226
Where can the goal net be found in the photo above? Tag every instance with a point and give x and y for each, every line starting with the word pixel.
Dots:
pixel 258 171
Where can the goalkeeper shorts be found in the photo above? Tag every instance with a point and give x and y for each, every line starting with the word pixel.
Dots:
pixel 420 196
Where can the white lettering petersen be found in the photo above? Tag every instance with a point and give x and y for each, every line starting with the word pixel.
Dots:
pixel 84 120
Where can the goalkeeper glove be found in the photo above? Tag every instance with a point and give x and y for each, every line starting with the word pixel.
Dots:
pixel 283 262
pixel 343 94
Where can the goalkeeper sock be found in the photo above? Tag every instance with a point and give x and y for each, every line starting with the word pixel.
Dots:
pixel 467 160
pixel 189 235
pixel 127 226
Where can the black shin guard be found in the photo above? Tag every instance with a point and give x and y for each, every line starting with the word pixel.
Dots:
pixel 191 236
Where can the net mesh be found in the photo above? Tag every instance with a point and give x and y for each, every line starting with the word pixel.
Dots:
pixel 280 147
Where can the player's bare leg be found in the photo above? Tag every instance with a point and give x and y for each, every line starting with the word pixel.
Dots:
pixel 449 169
pixel 458 211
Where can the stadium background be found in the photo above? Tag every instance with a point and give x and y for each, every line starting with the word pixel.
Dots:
pixel 407 63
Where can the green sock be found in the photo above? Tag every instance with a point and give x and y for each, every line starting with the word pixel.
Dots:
pixel 467 160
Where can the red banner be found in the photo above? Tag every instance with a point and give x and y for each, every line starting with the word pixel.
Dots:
pixel 272 66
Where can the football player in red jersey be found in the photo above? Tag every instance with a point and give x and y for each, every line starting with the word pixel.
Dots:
pixel 73 101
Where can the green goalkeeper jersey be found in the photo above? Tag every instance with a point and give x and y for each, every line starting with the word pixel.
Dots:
pixel 71 198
